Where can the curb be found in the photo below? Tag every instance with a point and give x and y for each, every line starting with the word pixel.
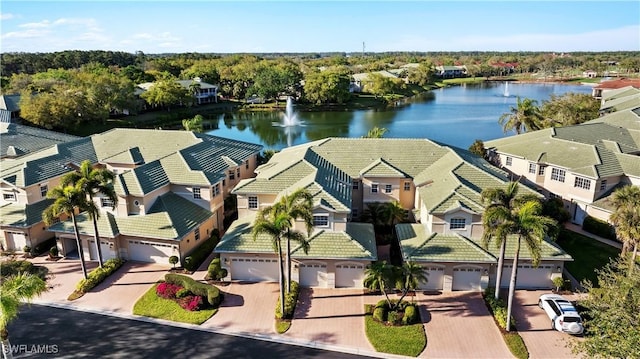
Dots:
pixel 246 335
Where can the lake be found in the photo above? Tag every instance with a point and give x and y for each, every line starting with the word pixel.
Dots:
pixel 456 115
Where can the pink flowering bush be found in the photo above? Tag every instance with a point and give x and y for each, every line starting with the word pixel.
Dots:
pixel 167 290
pixel 186 299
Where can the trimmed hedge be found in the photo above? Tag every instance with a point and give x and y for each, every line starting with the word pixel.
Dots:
pixel 97 275
pixel 195 259
pixel 599 228
pixel 410 315
pixel 215 270
pixel 290 300
pixel 498 308
pixel 212 293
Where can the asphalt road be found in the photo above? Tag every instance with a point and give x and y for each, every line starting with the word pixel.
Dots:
pixel 45 332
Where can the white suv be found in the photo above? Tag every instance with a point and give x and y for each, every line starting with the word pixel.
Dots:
pixel 564 316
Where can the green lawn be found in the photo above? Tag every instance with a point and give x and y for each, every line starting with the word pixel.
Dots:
pixel 588 255
pixel 150 305
pixel 409 340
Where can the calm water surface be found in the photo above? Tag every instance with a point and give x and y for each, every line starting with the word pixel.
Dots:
pixel 456 116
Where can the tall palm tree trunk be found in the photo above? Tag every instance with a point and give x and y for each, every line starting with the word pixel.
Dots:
pixel 7 353
pixel 288 285
pixel 79 243
pixel 281 277
pixel 634 254
pixel 97 239
pixel 512 284
pixel 503 246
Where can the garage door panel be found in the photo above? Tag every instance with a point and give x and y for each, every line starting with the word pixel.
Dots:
pixel 467 279
pixel 255 269
pixel 529 277
pixel 350 275
pixel 16 240
pixel 144 251
pixel 435 278
pixel 313 274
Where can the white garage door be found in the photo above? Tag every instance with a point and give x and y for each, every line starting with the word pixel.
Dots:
pixel 528 276
pixel 254 269
pixel 435 278
pixel 107 251
pixel 16 240
pixel 144 251
pixel 349 275
pixel 313 274
pixel 466 278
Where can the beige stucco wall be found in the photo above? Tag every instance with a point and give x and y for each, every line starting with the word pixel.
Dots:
pixel 243 203
pixel 381 196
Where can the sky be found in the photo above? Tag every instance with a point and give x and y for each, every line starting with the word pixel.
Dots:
pixel 208 26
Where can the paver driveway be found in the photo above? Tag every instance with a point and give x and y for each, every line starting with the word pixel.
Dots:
pixel 64 274
pixel 535 327
pixel 458 325
pixel 247 308
pixel 331 316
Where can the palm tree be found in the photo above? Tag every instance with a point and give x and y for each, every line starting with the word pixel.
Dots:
pixel 626 219
pixel 528 224
pixel 66 200
pixel 93 181
pixel 374 214
pixel 297 205
pixel 379 276
pixel 412 274
pixel 274 225
pixel 393 212
pixel 13 290
pixel 525 117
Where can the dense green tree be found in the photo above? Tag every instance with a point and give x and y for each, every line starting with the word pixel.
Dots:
pixel 569 109
pixel 612 323
pixel 380 85
pixel 422 75
pixel 14 290
pixel 626 218
pixel 206 70
pixel 167 93
pixel 93 181
pixel 525 117
pixel 478 148
pixel 329 86
pixel 193 124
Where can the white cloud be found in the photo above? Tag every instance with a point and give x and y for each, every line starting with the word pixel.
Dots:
pixel 7 16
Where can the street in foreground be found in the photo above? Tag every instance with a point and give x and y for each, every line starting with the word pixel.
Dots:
pixel 44 332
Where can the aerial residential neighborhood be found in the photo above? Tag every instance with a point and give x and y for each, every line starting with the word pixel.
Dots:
pixel 320 180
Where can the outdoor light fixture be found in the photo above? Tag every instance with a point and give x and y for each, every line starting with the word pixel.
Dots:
pixel 558 269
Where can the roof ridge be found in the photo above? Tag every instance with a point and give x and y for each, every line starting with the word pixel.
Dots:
pixel 476 246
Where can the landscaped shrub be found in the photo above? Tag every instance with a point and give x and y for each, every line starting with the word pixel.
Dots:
pixel 368 308
pixel 212 293
pixel 290 300
pixel 498 308
pixel 99 274
pixel 13 267
pixel 380 314
pixel 54 251
pixel 168 290
pixel 183 292
pixel 195 259
pixel 393 317
pixel 191 303
pixel 599 228
pixel 410 315
pixel 173 260
pixel 215 270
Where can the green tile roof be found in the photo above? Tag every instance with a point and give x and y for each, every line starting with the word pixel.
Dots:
pixel 170 217
pixel 627 119
pixel 15 215
pixel 381 168
pixel 416 244
pixel 27 139
pixel 357 242
pixel 549 250
pixel 621 103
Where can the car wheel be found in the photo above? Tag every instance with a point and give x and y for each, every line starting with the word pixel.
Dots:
pixel 553 324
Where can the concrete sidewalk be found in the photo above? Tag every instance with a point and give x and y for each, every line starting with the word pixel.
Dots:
pixel 576 228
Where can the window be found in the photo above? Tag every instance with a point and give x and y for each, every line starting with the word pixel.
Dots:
pixel 457 223
pixel 374 188
pixel 558 174
pixel 355 184
pixel 196 193
pixel 320 221
pixel 106 202
pixel 43 190
pixel 196 234
pixel 541 170
pixel 387 188
pixel 603 185
pixel 407 186
pixel 232 175
pixel 582 183
pixel 9 196
pixel 246 164
pixel 238 172
pixel 216 189
pixel 532 168
pixel 253 202
pixel 509 161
